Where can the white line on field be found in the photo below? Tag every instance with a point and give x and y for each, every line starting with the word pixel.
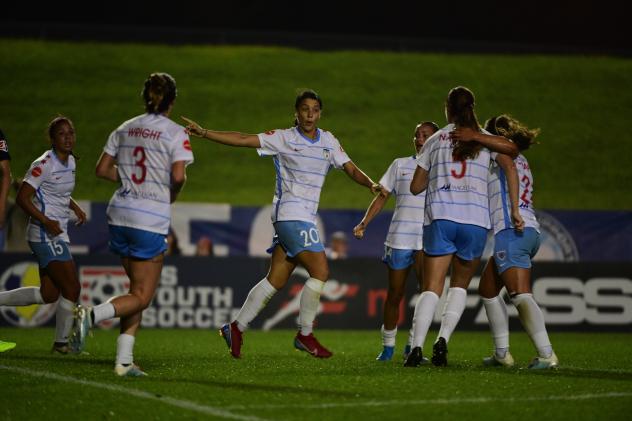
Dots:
pixel 192 406
pixel 439 401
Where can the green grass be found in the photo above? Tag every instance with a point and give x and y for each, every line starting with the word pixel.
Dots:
pixel 274 382
pixel 372 101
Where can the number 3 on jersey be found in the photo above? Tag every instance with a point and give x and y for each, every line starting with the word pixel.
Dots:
pixel 139 155
pixel 462 173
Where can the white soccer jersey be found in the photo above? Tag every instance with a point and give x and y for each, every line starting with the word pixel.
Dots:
pixel 301 165
pixel 145 148
pixel 499 203
pixel 53 182
pixel 457 190
pixel 406 229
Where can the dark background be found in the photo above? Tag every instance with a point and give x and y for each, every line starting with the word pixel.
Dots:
pixel 525 26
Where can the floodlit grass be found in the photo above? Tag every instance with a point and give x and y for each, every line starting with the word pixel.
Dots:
pixel 372 101
pixel 192 376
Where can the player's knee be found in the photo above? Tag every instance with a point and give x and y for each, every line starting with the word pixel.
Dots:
pixel 394 296
pixel 49 296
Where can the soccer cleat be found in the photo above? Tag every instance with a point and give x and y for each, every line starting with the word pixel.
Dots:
pixel 131 370
pixel 440 353
pixel 495 360
pixel 415 358
pixel 311 345
pixel 406 352
pixel 540 363
pixel 61 347
pixel 386 354
pixel 7 346
pixel 232 336
pixel 80 329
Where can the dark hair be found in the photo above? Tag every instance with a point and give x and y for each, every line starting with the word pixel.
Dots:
pixel 159 92
pixel 435 126
pixel 460 106
pixel 507 126
pixel 56 122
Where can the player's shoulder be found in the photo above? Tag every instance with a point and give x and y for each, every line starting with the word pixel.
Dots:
pixel 130 122
pixel 42 164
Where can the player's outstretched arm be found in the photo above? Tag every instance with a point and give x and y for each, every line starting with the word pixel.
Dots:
pixel 513 185
pixel 377 204
pixel 106 168
pixel 225 138
pixel 357 175
pixel 419 182
pixel 498 144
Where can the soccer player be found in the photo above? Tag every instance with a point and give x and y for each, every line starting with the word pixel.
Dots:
pixel 45 195
pixel 454 175
pixel 403 245
pixel 5 183
pixel 147 155
pixel 510 265
pixel 302 157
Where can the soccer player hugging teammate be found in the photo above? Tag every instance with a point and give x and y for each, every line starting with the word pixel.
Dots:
pixel 302 156
pixel 148 156
pixel 510 265
pixel 403 245
pixel 454 175
pixel 45 197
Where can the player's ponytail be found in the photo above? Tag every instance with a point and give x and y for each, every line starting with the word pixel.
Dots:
pixel 507 126
pixel 460 107
pixel 159 92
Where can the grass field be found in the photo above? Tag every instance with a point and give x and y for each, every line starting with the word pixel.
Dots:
pixel 372 101
pixel 192 376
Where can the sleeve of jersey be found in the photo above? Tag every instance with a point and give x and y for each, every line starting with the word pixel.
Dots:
pixel 389 177
pixel 339 156
pixel 4 148
pixel 423 160
pixel 112 145
pixel 271 142
pixel 182 150
pixel 37 174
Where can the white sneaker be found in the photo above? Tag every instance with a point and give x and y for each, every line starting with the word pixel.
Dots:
pixel 495 360
pixel 131 370
pixel 540 363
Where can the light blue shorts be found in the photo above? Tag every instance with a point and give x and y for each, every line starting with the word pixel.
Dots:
pixel 443 237
pixel 50 251
pixel 134 242
pixel 295 237
pixel 515 249
pixel 397 259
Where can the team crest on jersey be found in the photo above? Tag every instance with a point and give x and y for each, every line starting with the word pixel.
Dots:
pixel 501 254
pixel 270 132
pixel 326 153
pixel 36 172
pixel 187 145
pixel 4 147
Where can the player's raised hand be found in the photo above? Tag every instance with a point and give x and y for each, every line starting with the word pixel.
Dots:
pixel 193 128
pixel 463 134
pixel 358 230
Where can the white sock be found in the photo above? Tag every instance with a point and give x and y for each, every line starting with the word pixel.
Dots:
pixel 102 312
pixel 21 297
pixel 498 323
pixel 310 299
pixel 388 336
pixel 454 306
pixel 411 335
pixel 257 299
pixel 533 321
pixel 125 349
pixel 63 319
pixel 424 312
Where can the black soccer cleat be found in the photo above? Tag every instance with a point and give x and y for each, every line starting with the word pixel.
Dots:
pixel 415 358
pixel 440 353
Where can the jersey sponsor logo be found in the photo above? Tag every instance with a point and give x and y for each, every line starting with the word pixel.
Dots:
pixel 4 147
pixel 187 145
pixel 36 172
pixel 270 132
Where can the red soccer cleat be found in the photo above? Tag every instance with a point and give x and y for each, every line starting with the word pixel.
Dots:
pixel 311 345
pixel 232 336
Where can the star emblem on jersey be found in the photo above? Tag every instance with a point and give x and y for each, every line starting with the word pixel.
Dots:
pixel 36 172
